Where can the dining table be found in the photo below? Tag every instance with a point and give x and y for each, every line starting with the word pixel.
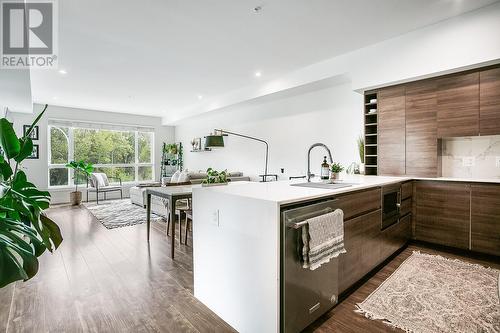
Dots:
pixel 172 194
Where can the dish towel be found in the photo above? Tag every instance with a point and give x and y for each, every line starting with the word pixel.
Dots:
pixel 323 239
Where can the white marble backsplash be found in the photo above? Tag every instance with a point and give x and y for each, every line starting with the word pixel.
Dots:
pixel 471 157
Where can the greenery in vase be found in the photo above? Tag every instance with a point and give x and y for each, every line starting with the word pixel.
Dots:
pixel 361 148
pixel 171 148
pixel 336 167
pixel 81 169
pixel 25 231
pixel 215 177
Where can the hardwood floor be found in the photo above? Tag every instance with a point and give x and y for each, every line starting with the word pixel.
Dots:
pixel 103 280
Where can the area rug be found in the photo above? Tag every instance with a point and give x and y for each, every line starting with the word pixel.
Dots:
pixel 430 293
pixel 119 213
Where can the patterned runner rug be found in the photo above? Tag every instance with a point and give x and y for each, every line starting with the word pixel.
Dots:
pixel 119 213
pixel 430 293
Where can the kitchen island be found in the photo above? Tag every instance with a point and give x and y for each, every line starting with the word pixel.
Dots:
pixel 237 243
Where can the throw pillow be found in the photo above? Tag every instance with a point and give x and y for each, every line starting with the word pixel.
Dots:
pixel 175 177
pixel 183 177
pixel 98 180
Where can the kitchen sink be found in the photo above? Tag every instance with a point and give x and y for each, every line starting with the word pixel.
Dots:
pixel 327 185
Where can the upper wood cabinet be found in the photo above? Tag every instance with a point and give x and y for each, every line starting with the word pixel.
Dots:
pixel 443 213
pixel 485 218
pixel 391 131
pixel 458 105
pixel 421 129
pixel 489 102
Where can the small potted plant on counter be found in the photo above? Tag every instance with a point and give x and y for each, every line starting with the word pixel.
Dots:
pixel 81 169
pixel 215 178
pixel 335 169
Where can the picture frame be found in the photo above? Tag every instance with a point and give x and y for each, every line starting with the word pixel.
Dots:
pixel 35 154
pixel 196 143
pixel 34 134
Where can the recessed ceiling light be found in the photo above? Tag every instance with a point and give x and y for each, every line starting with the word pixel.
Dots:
pixel 63 71
pixel 258 74
pixel 200 97
pixel 257 9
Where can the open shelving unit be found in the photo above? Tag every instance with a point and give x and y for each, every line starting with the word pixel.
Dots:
pixel 171 162
pixel 370 116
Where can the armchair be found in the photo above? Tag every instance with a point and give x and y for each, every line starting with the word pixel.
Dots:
pixel 99 183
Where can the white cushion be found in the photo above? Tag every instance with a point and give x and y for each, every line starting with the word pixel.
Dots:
pixel 183 177
pixel 100 179
pixel 175 177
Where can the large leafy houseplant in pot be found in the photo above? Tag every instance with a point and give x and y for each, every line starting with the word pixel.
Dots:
pixel 80 169
pixel 25 231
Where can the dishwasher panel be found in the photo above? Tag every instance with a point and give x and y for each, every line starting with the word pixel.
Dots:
pixel 305 294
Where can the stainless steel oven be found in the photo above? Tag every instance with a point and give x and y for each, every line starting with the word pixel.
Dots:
pixel 391 203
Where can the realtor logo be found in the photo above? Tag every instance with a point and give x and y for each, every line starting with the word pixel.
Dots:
pixel 29 34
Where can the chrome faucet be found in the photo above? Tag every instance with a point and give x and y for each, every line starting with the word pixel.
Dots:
pixel 309 158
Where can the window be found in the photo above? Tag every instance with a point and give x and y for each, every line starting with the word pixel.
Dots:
pixel 126 153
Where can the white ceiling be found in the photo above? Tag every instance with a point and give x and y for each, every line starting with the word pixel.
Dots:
pixel 155 57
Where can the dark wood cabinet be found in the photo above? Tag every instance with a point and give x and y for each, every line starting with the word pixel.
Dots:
pixel 406 205
pixel 366 245
pixel 359 203
pixel 406 190
pixel 458 105
pixel 485 218
pixel 421 129
pixel 413 117
pixel 361 239
pixel 391 131
pixel 489 102
pixel 395 237
pixel 443 213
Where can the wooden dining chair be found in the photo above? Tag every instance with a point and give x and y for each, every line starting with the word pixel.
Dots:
pixel 181 207
pixel 188 225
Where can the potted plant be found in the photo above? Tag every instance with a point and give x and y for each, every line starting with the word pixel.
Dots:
pixel 171 148
pixel 80 169
pixel 215 178
pixel 25 231
pixel 335 169
pixel 361 151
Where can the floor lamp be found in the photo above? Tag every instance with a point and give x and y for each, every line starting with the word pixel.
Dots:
pixel 216 140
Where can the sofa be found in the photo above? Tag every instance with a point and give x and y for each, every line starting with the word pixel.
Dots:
pixel 158 207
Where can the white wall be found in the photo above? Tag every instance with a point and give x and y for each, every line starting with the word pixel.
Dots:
pixel 290 124
pixel 37 170
pixel 15 90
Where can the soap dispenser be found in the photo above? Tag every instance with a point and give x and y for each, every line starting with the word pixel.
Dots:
pixel 325 169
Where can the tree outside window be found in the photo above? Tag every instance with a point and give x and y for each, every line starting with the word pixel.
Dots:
pixel 124 154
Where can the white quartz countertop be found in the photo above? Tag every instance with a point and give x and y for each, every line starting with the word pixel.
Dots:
pixel 282 192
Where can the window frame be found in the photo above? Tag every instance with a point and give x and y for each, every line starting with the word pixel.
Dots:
pixel 71 149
